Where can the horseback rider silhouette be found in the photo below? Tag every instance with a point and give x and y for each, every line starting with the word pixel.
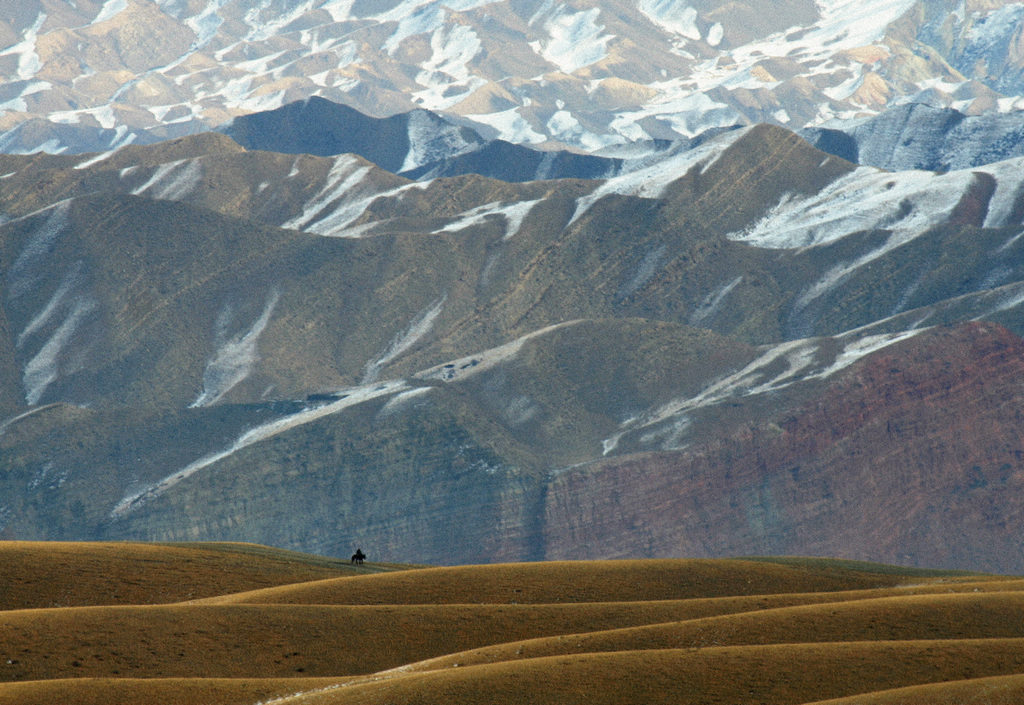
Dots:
pixel 358 557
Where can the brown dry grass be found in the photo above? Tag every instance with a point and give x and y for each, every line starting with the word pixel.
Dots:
pixel 313 640
pixel 155 691
pixel 921 617
pixel 996 690
pixel 63 574
pixel 787 674
pixel 742 632
pixel 586 581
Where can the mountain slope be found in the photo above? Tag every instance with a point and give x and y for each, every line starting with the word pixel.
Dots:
pixel 322 128
pixel 860 468
pixel 579 74
pixel 313 352
pixel 918 136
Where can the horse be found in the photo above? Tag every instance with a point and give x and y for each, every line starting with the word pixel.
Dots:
pixel 358 557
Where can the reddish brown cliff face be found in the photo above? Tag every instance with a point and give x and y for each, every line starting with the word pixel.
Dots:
pixel 911 456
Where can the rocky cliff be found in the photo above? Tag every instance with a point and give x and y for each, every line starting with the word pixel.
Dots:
pixel 911 456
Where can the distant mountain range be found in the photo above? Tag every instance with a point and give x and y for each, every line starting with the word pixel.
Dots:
pixel 732 346
pixel 916 136
pixel 90 76
pixel 423 145
pixel 461 282
pixel 417 144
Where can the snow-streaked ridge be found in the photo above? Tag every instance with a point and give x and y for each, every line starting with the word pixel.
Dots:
pixel 346 398
pixel 343 198
pixel 865 199
pixel 691 69
pixel 401 391
pixel 172 181
pixel 470 365
pixel 44 368
pixel 803 360
pixel 234 358
pixel 648 178
pixel 513 213
pixel 418 328
pixel 905 204
pixel 22 273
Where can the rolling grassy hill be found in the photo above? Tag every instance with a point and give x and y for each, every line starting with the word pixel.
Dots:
pixel 68 574
pixel 240 624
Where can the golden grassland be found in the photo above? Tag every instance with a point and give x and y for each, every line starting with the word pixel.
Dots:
pixel 237 624
pixel 64 574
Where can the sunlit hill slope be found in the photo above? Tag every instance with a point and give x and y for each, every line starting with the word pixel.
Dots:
pixel 104 623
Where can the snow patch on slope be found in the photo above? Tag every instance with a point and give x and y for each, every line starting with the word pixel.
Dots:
pixel 648 178
pixel 235 356
pixel 675 16
pixel 172 181
pixel 206 23
pixel 339 10
pixel 908 202
pixel 344 211
pixel 22 274
pixel 346 398
pixel 44 368
pixel 513 213
pixel 332 208
pixel 862 347
pixel 446 74
pixel 715 34
pixel 431 140
pixel 96 159
pixel 648 268
pixel 776 368
pixel 267 25
pixel 418 327
pixel 843 25
pixel 510 126
pixel 563 125
pixel 7 423
pixel 110 9
pixel 17 103
pixel 685 111
pixel 29 62
pixel 709 306
pixel 574 38
pixel 71 280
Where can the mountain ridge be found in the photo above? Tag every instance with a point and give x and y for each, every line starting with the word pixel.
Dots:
pixel 572 74
pixel 203 337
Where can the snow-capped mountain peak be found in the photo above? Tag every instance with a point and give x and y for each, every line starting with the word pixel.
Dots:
pixel 88 76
